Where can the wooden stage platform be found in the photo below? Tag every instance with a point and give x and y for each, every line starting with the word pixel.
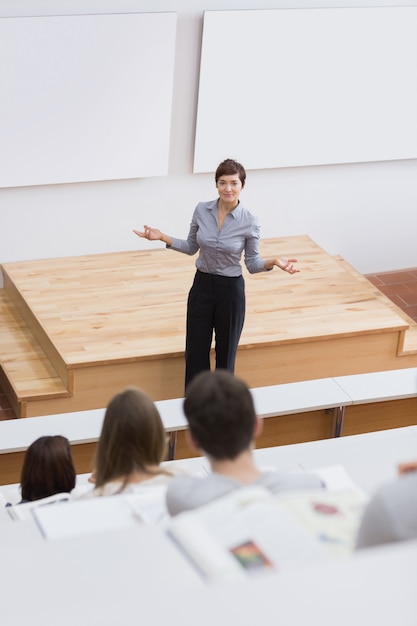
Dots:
pixel 76 330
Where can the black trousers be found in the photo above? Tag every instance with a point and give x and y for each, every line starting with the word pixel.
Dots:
pixel 214 303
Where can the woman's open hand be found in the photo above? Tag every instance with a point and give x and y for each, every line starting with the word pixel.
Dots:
pixel 287 265
pixel 153 234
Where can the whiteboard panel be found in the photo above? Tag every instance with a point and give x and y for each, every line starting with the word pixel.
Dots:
pixel 295 87
pixel 85 97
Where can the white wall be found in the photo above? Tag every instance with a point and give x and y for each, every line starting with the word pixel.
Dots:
pixel 365 212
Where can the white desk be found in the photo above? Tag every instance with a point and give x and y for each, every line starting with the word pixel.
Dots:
pixel 370 458
pixel 299 397
pixel 380 386
pixel 78 427
pixel 84 427
pixel 94 577
pixel 376 588
pixel 138 576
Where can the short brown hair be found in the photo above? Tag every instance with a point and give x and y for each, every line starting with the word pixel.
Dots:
pixel 132 437
pixel 47 468
pixel 230 167
pixel 220 413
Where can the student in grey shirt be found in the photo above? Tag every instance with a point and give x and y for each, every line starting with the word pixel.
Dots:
pixel 391 514
pixel 221 230
pixel 223 425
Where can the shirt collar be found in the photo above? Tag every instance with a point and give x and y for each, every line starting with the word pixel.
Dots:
pixel 235 213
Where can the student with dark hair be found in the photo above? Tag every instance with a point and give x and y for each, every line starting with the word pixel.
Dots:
pixel 221 231
pixel 223 426
pixel 48 469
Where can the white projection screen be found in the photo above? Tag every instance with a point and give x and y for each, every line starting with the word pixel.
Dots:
pixel 85 97
pixel 295 87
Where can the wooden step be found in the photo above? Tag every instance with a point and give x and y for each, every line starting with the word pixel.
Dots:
pixel 408 342
pixel 29 317
pixel 26 373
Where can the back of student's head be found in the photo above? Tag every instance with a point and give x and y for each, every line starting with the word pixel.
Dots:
pixel 220 412
pixel 132 437
pixel 47 468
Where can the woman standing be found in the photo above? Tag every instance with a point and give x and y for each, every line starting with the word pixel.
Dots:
pixel 221 230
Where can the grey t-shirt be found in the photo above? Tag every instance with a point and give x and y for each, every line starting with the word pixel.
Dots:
pixel 190 492
pixel 391 514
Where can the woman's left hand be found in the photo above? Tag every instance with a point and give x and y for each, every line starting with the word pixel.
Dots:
pixel 287 265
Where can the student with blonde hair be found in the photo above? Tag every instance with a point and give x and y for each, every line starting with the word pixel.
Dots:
pixel 130 450
pixel 131 447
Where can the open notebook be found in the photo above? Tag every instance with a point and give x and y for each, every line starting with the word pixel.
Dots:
pixel 101 514
pixel 252 532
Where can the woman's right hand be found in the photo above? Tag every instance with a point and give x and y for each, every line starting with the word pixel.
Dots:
pixel 153 234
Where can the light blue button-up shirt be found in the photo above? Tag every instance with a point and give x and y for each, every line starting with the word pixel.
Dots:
pixel 221 250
